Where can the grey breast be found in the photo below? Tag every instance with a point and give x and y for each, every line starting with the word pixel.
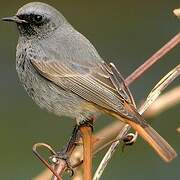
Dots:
pixel 68 45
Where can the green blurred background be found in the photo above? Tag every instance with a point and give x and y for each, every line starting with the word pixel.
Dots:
pixel 125 32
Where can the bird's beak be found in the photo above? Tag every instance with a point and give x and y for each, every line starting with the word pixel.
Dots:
pixel 15 19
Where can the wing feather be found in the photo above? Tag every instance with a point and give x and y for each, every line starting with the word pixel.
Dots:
pixel 95 84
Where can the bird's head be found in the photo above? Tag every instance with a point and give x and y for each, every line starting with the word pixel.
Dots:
pixel 37 19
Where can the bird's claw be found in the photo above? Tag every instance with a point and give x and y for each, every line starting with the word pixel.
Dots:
pixel 55 159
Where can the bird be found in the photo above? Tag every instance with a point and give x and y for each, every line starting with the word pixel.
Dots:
pixel 63 73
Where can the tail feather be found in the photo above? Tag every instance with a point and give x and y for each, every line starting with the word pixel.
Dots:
pixel 165 151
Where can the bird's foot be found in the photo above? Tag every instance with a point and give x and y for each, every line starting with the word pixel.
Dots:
pixel 55 159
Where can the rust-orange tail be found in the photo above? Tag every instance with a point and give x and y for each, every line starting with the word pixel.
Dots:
pixel 165 151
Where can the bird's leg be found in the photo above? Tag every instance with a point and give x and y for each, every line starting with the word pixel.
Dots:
pixel 78 132
pixel 72 141
pixel 82 121
pixel 66 151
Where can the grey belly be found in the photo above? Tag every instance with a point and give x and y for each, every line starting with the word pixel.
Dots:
pixel 47 95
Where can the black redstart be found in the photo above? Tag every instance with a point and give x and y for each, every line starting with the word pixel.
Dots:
pixel 63 73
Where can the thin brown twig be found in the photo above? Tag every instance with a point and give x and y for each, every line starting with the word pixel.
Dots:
pixel 153 59
pixel 60 168
pixel 39 156
pixel 86 133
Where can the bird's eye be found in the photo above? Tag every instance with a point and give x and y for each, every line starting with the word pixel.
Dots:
pixel 38 19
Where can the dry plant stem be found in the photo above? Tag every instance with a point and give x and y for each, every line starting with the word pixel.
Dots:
pixel 165 101
pixel 86 132
pixel 60 169
pixel 77 156
pixel 154 94
pixel 160 86
pixel 153 59
pixel 78 173
pixel 110 153
pixel 41 158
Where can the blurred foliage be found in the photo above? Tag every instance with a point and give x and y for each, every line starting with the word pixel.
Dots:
pixel 125 32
